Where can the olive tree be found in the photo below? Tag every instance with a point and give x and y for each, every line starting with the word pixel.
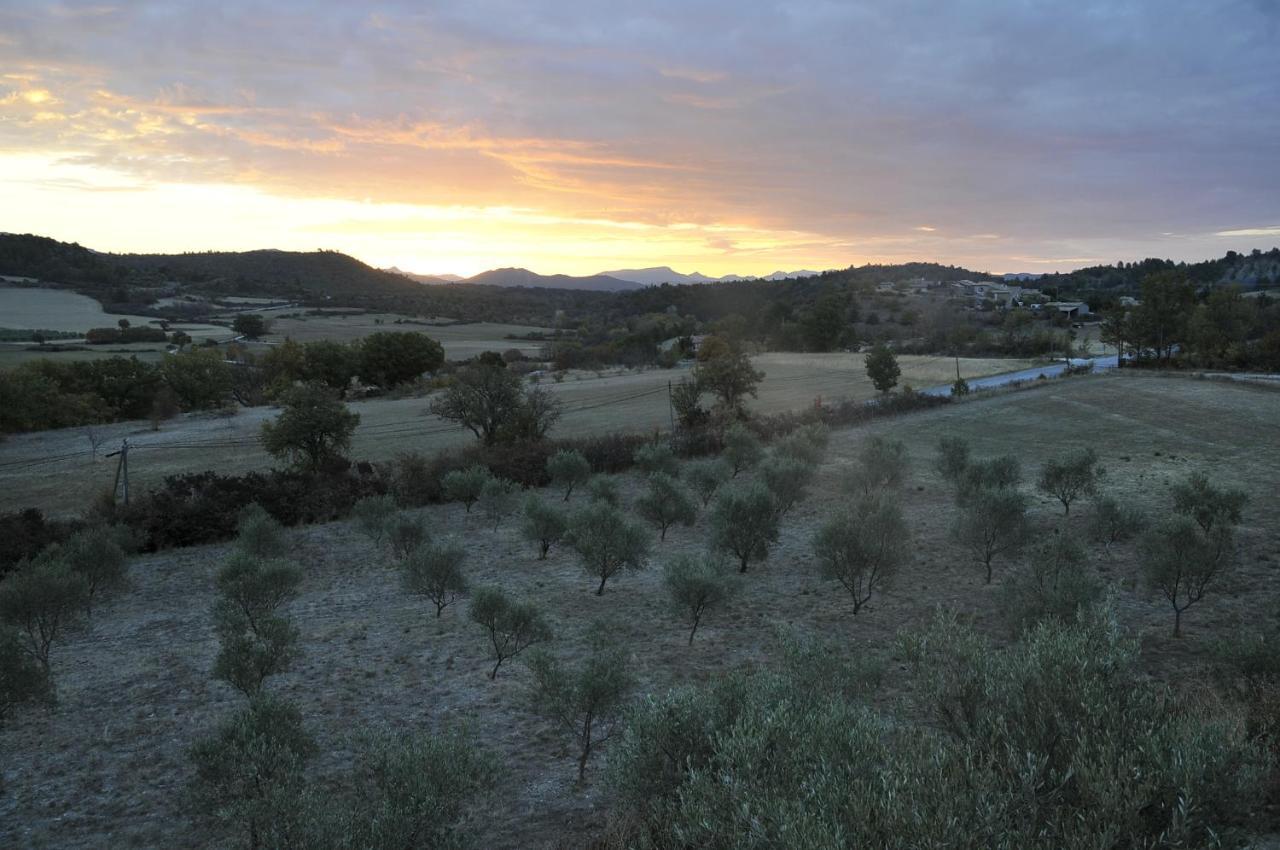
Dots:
pixel 583 699
pixel 1070 476
pixel 604 488
pixel 657 458
pixel 696 584
pixel 744 523
pixel 568 469
pixel 249 654
pixel 1055 586
pixel 882 465
pixel 253 589
pixel 435 571
pixel 406 532
pixel 607 542
pixel 543 524
pixel 742 449
pixel 995 473
pixel 1181 561
pixel 465 485
pixel 512 626
pixel 22 678
pixel 258 534
pixel 498 499
pixel 953 459
pixel 1211 507
pixel 706 476
pixel 96 554
pixel 665 503
pixel 863 547
pixel 787 480
pixel 992 523
pixel 373 516
pixel 1115 521
pixel 43 599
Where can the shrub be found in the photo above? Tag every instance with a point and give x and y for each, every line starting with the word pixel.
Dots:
pixel 22 679
pixel 997 473
pixel 435 571
pixel 512 626
pixel 1115 521
pixel 696 585
pixel 706 476
pixel 882 465
pixel 1182 561
pixel 252 653
pixel 788 482
pixel 466 485
pixel 373 515
pixel 405 533
pixel 43 599
pixel 25 533
pixel 1056 586
pixel 882 368
pixel 259 535
pixel 744 523
pixel 498 499
pixel 568 469
pixel 666 503
pixel 658 458
pixel 604 489
pixel 415 480
pixel 992 523
pixel 741 448
pixel 582 700
pixel 1067 477
pixel 863 547
pixel 953 459
pixel 606 541
pixel 96 554
pixel 544 524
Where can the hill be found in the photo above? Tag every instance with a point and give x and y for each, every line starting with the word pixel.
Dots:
pixel 524 277
pixel 665 274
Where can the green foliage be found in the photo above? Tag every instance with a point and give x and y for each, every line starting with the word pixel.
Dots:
pixel 604 489
pixel 882 465
pixel 201 378
pixel 373 516
pixel 1211 507
pixel 251 653
pixel 788 481
pixel 658 459
pixel 544 524
pixel 666 503
pixel 465 485
pixel 696 584
pixel 606 541
pixel 744 522
pixel 43 599
pixel 22 679
pixel 725 371
pixel 742 449
pixel 863 547
pixel 314 427
pixel 568 468
pixel 498 499
pixel 258 535
pixel 584 699
pixel 997 473
pixel 406 532
pixel 686 401
pixel 249 773
pixel 1115 521
pixel 1056 586
pixel 491 402
pixel 953 459
pixel 512 626
pixel 329 362
pixel 706 476
pixel 391 358
pixel 1070 476
pixel 96 554
pixel 882 368
pixel 435 571
pixel 250 325
pixel 252 589
pixel 1181 561
pixel 992 523
pixel 807 445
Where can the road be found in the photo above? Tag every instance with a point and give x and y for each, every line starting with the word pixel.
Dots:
pixel 1050 371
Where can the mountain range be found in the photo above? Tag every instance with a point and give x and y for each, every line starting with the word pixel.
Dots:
pixel 615 280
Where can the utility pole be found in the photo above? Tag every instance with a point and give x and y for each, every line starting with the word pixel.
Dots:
pixel 122 470
pixel 671 408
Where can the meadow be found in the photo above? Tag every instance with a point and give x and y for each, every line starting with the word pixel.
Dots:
pixel 109 765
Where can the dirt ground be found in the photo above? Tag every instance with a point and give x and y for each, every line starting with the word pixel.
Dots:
pixel 107 767
pixel 58 472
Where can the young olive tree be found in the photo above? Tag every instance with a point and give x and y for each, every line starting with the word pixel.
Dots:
pixel 96 554
pixel 253 589
pixel 1115 521
pixel 706 476
pixel 465 485
pixel 657 459
pixel 952 460
pixel 568 469
pixel 666 503
pixel 512 626
pixel 882 465
pixel 1070 476
pixel 43 599
pixel 863 547
pixel 697 584
pixel 742 449
pixel 996 473
pixel 583 699
pixel 435 571
pixel 607 542
pixel 744 522
pixel 1055 586
pixel 259 535
pixel 251 654
pixel 992 523
pixel 1211 507
pixel 787 480
pixel 406 532
pixel 498 499
pixel 1181 561
pixel 373 516
pixel 22 678
pixel 543 524
pixel 604 489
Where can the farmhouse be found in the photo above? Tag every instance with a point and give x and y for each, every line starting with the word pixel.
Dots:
pixel 1070 309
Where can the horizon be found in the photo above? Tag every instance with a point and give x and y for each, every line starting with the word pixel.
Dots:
pixel 564 139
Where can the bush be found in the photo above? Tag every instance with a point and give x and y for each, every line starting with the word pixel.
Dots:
pixel 807 445
pixel 741 448
pixel 498 499
pixel 882 465
pixel 696 585
pixel 863 547
pixel 373 516
pixel 544 524
pixel 658 458
pixel 259 535
pixel 604 489
pixel 25 533
pixel 1056 586
pixel 22 679
pixel 706 476
pixel 435 571
pixel 415 480
pixel 96 554
pixel 1115 521
pixel 43 599
pixel 744 523
pixel 788 482
pixel 512 626
pixel 405 533
pixel 466 485
pixel 606 541
pixel 666 503
pixel 568 469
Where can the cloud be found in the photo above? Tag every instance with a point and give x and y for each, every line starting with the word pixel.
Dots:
pixel 1274 230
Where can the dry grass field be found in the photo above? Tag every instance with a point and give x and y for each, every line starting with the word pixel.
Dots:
pixel 55 470
pixel 460 341
pixel 107 768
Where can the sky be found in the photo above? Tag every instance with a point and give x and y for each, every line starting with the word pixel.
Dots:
pixel 574 136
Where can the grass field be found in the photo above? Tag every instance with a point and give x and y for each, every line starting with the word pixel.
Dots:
pixel 109 765
pixel 55 470
pixel 460 341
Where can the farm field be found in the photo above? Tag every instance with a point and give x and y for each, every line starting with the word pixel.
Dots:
pixel 13 355
pixel 55 470
pixel 60 310
pixel 109 765
pixel 460 341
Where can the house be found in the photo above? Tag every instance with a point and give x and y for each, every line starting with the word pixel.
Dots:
pixel 1070 309
pixel 1129 301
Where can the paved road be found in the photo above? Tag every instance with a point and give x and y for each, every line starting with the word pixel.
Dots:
pixel 1052 370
